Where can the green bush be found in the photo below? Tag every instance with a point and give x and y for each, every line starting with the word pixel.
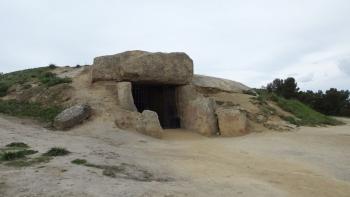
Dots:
pixel 28 109
pixel 52 66
pixel 3 89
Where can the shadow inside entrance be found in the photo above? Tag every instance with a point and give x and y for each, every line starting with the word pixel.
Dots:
pixel 158 98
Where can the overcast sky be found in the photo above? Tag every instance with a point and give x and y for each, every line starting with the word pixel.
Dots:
pixel 250 41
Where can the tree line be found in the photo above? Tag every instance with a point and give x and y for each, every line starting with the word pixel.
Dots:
pixel 331 102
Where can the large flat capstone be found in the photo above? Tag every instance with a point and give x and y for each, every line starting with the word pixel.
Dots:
pixel 141 66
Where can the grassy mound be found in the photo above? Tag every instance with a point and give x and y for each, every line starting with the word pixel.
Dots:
pixel 28 109
pixel 41 75
pixel 303 114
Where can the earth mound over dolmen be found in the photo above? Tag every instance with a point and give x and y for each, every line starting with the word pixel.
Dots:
pixel 159 90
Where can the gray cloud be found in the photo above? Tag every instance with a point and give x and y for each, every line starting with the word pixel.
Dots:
pixel 249 41
pixel 344 65
pixel 307 78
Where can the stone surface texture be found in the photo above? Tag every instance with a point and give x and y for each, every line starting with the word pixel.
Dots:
pixel 219 84
pixel 72 116
pixel 232 122
pixel 125 98
pixel 196 112
pixel 150 124
pixel 142 66
pixel 146 122
pixel 128 120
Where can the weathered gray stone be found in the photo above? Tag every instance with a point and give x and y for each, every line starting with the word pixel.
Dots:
pixel 196 112
pixel 72 116
pixel 232 122
pixel 125 98
pixel 214 83
pixel 141 66
pixel 128 120
pixel 146 122
pixel 151 125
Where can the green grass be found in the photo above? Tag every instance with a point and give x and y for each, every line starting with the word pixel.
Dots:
pixel 50 79
pixel 28 162
pixel 56 151
pixel 43 75
pixel 304 114
pixel 29 152
pixel 109 171
pixel 3 89
pixel 28 109
pixel 79 161
pixel 13 155
pixel 291 120
pixel 17 145
pixel 10 155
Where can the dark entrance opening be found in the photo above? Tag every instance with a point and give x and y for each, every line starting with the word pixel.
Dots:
pixel 158 98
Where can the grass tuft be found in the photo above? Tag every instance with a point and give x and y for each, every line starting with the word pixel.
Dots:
pixel 28 152
pixel 79 161
pixel 28 162
pixel 17 145
pixel 56 151
pixel 10 155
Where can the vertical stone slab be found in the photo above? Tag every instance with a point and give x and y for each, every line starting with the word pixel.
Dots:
pixel 125 98
pixel 196 112
pixel 232 122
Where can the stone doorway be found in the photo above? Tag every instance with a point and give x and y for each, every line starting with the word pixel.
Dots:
pixel 158 98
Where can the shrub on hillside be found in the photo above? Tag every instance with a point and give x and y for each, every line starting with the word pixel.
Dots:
pixel 3 89
pixel 29 109
pixel 50 79
pixel 52 66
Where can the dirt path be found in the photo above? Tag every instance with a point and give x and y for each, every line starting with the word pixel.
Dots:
pixel 307 162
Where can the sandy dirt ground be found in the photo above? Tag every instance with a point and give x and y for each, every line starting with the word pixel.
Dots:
pixel 306 162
